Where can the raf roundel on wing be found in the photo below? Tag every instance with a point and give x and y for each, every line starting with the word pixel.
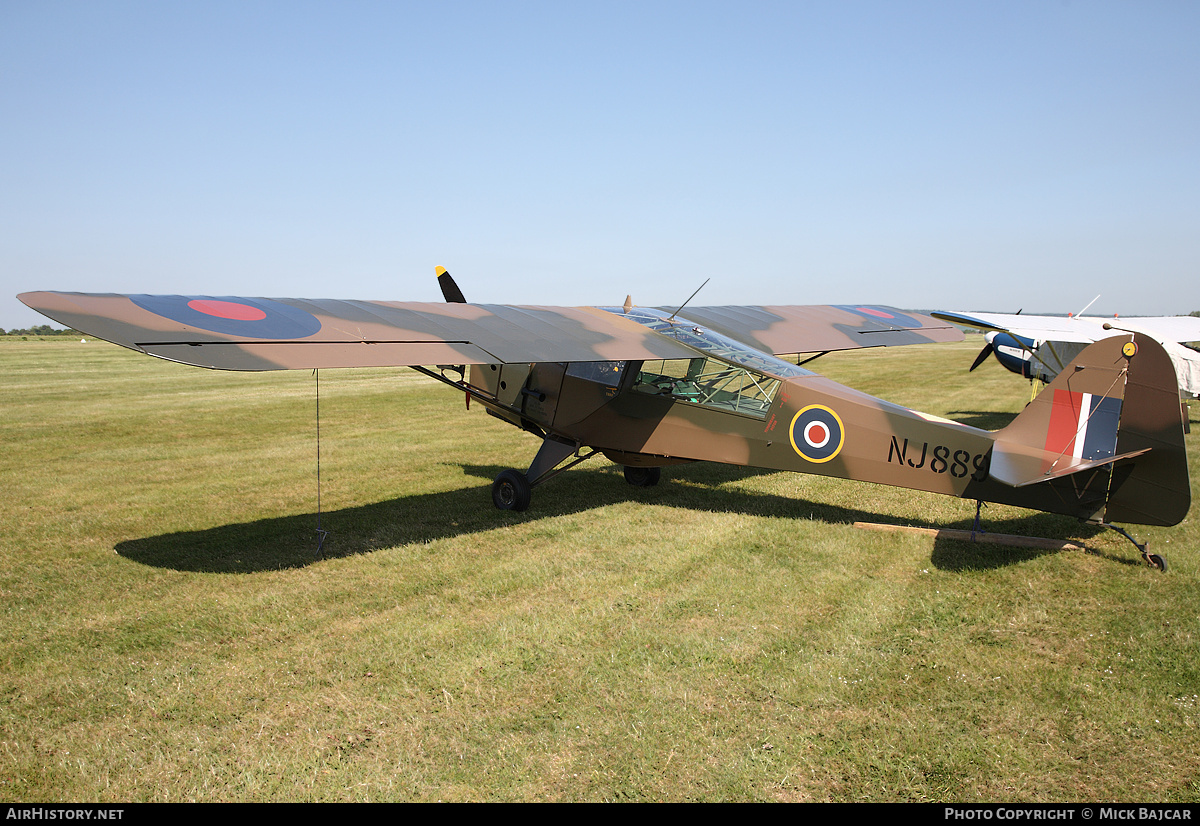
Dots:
pixel 247 317
pixel 883 315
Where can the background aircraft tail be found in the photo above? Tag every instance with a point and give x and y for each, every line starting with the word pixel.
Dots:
pixel 1108 433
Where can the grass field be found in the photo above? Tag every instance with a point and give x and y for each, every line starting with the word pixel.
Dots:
pixel 170 633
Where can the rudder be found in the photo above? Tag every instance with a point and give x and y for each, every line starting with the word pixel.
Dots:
pixel 1155 488
pixel 1110 422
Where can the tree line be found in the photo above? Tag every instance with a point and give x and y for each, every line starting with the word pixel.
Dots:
pixel 40 330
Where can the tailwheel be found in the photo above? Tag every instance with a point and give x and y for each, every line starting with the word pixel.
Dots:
pixel 511 491
pixel 1155 561
pixel 643 477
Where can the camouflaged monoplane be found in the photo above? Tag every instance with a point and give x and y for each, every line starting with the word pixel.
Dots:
pixel 653 387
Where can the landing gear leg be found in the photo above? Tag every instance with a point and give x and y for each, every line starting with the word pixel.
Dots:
pixel 513 489
pixel 1155 561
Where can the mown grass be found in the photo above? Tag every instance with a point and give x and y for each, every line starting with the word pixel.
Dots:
pixel 170 632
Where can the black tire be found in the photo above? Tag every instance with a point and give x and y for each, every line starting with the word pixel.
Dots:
pixel 511 491
pixel 1157 562
pixel 643 477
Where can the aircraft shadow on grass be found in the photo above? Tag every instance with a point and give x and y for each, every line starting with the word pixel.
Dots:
pixel 291 541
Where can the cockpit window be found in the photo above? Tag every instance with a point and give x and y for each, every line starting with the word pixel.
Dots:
pixel 709 382
pixel 734 377
pixel 601 372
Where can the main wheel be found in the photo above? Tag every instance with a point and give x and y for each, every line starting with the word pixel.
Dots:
pixel 643 477
pixel 511 491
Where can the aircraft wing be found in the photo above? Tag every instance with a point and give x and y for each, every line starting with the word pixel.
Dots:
pixel 783 330
pixel 1078 329
pixel 238 333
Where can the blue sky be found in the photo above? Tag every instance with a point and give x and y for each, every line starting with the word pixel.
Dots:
pixel 955 155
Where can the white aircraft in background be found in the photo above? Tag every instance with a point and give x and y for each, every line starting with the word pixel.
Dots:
pixel 1039 346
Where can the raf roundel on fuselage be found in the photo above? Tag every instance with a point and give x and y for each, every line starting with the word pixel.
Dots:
pixel 817 433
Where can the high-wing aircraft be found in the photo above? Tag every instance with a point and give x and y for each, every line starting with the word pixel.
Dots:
pixel 1039 347
pixel 652 387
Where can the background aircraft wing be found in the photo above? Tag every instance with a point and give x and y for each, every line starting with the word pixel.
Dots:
pixel 1079 329
pixel 784 330
pixel 235 333
pixel 1164 328
pixel 1039 327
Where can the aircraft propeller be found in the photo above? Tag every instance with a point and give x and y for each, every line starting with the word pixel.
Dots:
pixel 450 290
pixel 987 350
pixel 453 295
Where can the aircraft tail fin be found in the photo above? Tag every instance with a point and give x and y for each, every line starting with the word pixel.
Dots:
pixel 1111 421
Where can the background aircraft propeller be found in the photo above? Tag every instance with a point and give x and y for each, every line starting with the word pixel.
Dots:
pixel 983 355
pixel 987 350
